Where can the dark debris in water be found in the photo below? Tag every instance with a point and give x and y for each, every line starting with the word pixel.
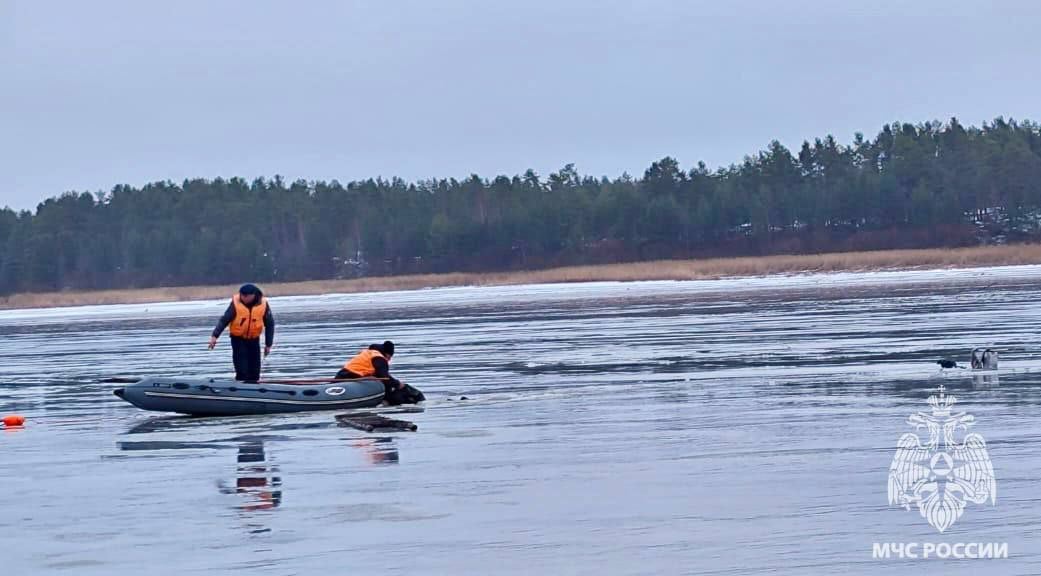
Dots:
pixel 369 422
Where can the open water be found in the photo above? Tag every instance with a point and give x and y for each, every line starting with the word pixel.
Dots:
pixel 729 427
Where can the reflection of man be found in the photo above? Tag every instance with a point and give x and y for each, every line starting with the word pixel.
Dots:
pixel 378 450
pixel 255 479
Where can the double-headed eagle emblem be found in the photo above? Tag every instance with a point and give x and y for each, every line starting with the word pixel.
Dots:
pixel 941 476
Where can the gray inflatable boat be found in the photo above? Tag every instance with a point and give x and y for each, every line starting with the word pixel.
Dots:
pixel 223 397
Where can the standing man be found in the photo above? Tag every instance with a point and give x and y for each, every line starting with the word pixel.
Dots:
pixel 247 316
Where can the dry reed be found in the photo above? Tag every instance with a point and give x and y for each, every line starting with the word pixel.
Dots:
pixel 657 270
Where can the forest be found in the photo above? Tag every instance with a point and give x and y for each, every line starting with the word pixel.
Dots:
pixel 935 184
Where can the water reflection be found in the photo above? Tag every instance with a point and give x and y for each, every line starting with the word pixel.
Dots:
pixel 985 381
pixel 377 451
pixel 257 479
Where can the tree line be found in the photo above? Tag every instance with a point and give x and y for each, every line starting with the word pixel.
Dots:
pixel 931 184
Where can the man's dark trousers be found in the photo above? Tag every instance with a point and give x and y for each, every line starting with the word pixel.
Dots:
pixel 246 356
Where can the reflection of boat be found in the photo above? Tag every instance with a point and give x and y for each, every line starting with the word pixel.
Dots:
pixel 221 397
pixel 257 480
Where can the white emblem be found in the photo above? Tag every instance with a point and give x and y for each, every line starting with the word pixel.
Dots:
pixel 335 390
pixel 941 476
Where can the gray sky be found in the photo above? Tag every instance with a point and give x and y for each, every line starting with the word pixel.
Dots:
pixel 101 93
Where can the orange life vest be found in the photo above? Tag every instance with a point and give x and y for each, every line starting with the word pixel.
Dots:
pixel 362 363
pixel 248 322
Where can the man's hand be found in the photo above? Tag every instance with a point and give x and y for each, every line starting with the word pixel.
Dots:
pixel 267 350
pixel 213 342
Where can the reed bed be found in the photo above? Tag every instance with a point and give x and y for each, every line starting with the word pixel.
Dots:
pixel 628 272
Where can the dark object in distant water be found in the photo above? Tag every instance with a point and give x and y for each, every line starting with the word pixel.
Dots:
pixel 979 359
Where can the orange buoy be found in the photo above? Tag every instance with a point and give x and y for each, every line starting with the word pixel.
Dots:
pixel 14 421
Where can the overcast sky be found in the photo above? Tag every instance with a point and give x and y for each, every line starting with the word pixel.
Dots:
pixel 100 93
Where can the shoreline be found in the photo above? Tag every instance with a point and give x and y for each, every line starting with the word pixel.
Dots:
pixel 676 270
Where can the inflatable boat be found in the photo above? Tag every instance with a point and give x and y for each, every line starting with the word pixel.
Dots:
pixel 223 397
